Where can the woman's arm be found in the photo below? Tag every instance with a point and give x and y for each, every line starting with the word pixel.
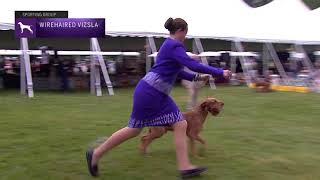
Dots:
pixel 187 76
pixel 181 56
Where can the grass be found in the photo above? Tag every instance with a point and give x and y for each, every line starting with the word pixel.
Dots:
pixel 257 136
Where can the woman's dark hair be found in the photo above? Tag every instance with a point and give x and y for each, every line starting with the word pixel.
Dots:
pixel 173 25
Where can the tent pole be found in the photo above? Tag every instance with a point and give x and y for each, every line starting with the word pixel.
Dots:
pixel 23 89
pixel 233 60
pixel 306 60
pixel 150 48
pixel 265 60
pixel 96 48
pixel 97 79
pixel 94 83
pixel 238 46
pixel 26 63
pixel 92 71
pixel 233 66
pixel 197 45
pixel 277 62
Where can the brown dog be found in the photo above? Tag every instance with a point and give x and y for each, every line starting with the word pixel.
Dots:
pixel 262 84
pixel 195 119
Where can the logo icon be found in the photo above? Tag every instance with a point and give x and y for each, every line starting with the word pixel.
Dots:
pixel 59 27
pixel 25 27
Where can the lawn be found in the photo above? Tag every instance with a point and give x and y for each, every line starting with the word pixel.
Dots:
pixel 257 136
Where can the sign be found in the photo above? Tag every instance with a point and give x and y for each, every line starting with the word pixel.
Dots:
pixel 41 14
pixel 60 27
pixel 25 27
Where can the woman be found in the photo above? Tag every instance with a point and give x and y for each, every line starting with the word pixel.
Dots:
pixel 152 105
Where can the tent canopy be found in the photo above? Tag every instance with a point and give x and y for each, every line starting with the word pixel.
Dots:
pixel 288 21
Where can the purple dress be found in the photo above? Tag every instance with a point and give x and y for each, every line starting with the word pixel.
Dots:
pixel 152 105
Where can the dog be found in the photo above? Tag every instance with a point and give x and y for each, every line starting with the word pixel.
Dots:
pixel 22 27
pixel 195 119
pixel 262 84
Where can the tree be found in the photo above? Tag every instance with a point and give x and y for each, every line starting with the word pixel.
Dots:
pixel 257 3
pixel 313 4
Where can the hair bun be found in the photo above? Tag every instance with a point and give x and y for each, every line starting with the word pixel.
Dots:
pixel 169 24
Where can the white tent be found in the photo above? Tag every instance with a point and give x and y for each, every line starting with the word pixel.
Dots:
pixel 316 11
pixel 278 21
pixel 285 21
pixel 281 21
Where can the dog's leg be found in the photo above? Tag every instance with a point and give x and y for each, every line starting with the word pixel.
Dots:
pixel 194 150
pixel 193 147
pixel 144 141
pixel 154 132
pixel 192 134
pixel 202 141
pixel 30 30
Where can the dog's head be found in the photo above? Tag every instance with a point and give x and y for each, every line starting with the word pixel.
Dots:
pixel 212 105
pixel 19 23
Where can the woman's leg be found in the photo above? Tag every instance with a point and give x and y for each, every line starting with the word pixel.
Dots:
pixel 180 140
pixel 116 138
pixel 188 86
pixel 193 95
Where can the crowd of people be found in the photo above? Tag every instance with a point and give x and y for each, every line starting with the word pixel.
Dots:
pixel 68 67
pixel 65 69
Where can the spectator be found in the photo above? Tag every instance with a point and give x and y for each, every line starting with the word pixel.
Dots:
pixel 63 69
pixel 193 88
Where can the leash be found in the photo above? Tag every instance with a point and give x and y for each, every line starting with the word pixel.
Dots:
pixel 207 89
pixel 207 92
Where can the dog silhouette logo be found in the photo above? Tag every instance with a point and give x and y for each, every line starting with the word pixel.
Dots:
pixel 23 27
pixel 26 27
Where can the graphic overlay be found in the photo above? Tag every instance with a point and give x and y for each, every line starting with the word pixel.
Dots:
pixel 25 27
pixel 71 27
pixel 41 14
pixel 60 27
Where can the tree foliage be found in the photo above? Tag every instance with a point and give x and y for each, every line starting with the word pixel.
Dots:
pixel 312 4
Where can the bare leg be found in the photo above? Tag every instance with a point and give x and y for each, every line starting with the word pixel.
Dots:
pixel 180 140
pixel 117 138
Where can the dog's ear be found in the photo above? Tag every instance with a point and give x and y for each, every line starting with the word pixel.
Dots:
pixel 203 105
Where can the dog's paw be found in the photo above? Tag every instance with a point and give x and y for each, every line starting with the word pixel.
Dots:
pixel 143 150
pixel 202 154
pixel 198 157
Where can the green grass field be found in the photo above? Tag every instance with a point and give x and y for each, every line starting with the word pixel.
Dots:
pixel 272 136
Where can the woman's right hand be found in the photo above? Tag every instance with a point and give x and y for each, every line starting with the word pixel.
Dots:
pixel 227 74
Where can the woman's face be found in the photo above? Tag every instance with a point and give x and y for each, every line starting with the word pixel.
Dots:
pixel 181 34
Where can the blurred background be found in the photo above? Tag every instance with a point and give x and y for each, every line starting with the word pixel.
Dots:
pixel 269 45
pixel 72 70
